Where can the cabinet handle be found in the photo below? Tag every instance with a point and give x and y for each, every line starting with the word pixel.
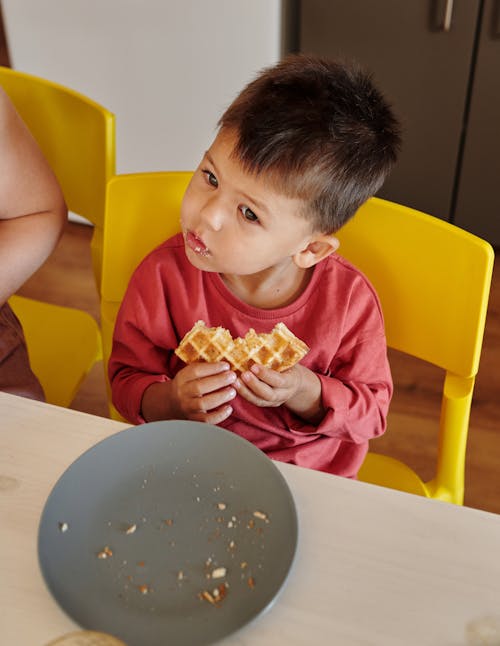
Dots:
pixel 444 22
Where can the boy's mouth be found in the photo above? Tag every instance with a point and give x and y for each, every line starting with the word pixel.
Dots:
pixel 196 244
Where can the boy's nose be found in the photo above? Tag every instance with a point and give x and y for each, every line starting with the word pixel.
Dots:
pixel 214 214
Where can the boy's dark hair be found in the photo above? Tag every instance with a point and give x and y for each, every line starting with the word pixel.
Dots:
pixel 320 131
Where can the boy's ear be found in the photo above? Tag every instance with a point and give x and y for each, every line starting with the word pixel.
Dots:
pixel 318 248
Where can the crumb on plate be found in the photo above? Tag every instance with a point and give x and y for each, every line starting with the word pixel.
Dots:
pixel 105 553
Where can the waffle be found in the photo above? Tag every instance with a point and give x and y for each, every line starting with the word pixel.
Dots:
pixel 279 349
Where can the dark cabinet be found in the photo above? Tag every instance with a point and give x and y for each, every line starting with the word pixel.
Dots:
pixel 438 62
pixel 478 187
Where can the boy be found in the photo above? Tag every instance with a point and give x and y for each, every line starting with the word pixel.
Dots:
pixel 297 153
pixel 32 217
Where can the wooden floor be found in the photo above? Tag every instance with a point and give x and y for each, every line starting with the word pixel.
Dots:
pixel 67 279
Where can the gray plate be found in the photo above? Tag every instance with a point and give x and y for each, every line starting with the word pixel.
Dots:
pixel 191 491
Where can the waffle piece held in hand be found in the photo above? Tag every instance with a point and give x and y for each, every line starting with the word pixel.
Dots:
pixel 279 349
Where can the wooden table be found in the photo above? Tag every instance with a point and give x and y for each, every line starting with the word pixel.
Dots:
pixel 373 566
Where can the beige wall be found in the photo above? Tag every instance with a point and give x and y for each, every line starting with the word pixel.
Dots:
pixel 166 68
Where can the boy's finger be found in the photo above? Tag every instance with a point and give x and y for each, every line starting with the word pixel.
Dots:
pixel 254 390
pixel 216 399
pixel 267 375
pixel 203 386
pixel 219 415
pixel 201 369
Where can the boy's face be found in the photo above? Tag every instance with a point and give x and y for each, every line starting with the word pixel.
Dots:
pixel 233 222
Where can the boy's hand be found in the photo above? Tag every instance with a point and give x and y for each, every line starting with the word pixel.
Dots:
pixel 265 387
pixel 298 388
pixel 202 392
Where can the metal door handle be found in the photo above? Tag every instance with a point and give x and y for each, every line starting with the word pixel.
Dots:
pixel 445 20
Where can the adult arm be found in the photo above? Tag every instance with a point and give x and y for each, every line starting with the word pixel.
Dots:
pixel 32 208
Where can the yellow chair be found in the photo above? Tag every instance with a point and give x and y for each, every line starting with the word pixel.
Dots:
pixel 63 344
pixel 142 210
pixel 77 137
pixel 433 280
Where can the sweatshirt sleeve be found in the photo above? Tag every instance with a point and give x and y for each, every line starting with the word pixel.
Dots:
pixel 357 386
pixel 143 343
pixel 357 394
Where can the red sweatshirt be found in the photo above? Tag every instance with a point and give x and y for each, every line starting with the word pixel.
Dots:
pixel 338 316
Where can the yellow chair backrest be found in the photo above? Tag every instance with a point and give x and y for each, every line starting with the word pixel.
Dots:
pixel 433 280
pixel 77 137
pixel 142 210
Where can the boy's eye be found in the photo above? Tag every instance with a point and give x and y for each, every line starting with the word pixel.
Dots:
pixel 211 179
pixel 248 214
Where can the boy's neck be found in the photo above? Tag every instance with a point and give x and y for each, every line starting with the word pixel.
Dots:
pixel 269 289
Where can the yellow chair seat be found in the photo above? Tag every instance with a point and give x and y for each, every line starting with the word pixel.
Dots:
pixel 63 345
pixel 385 471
